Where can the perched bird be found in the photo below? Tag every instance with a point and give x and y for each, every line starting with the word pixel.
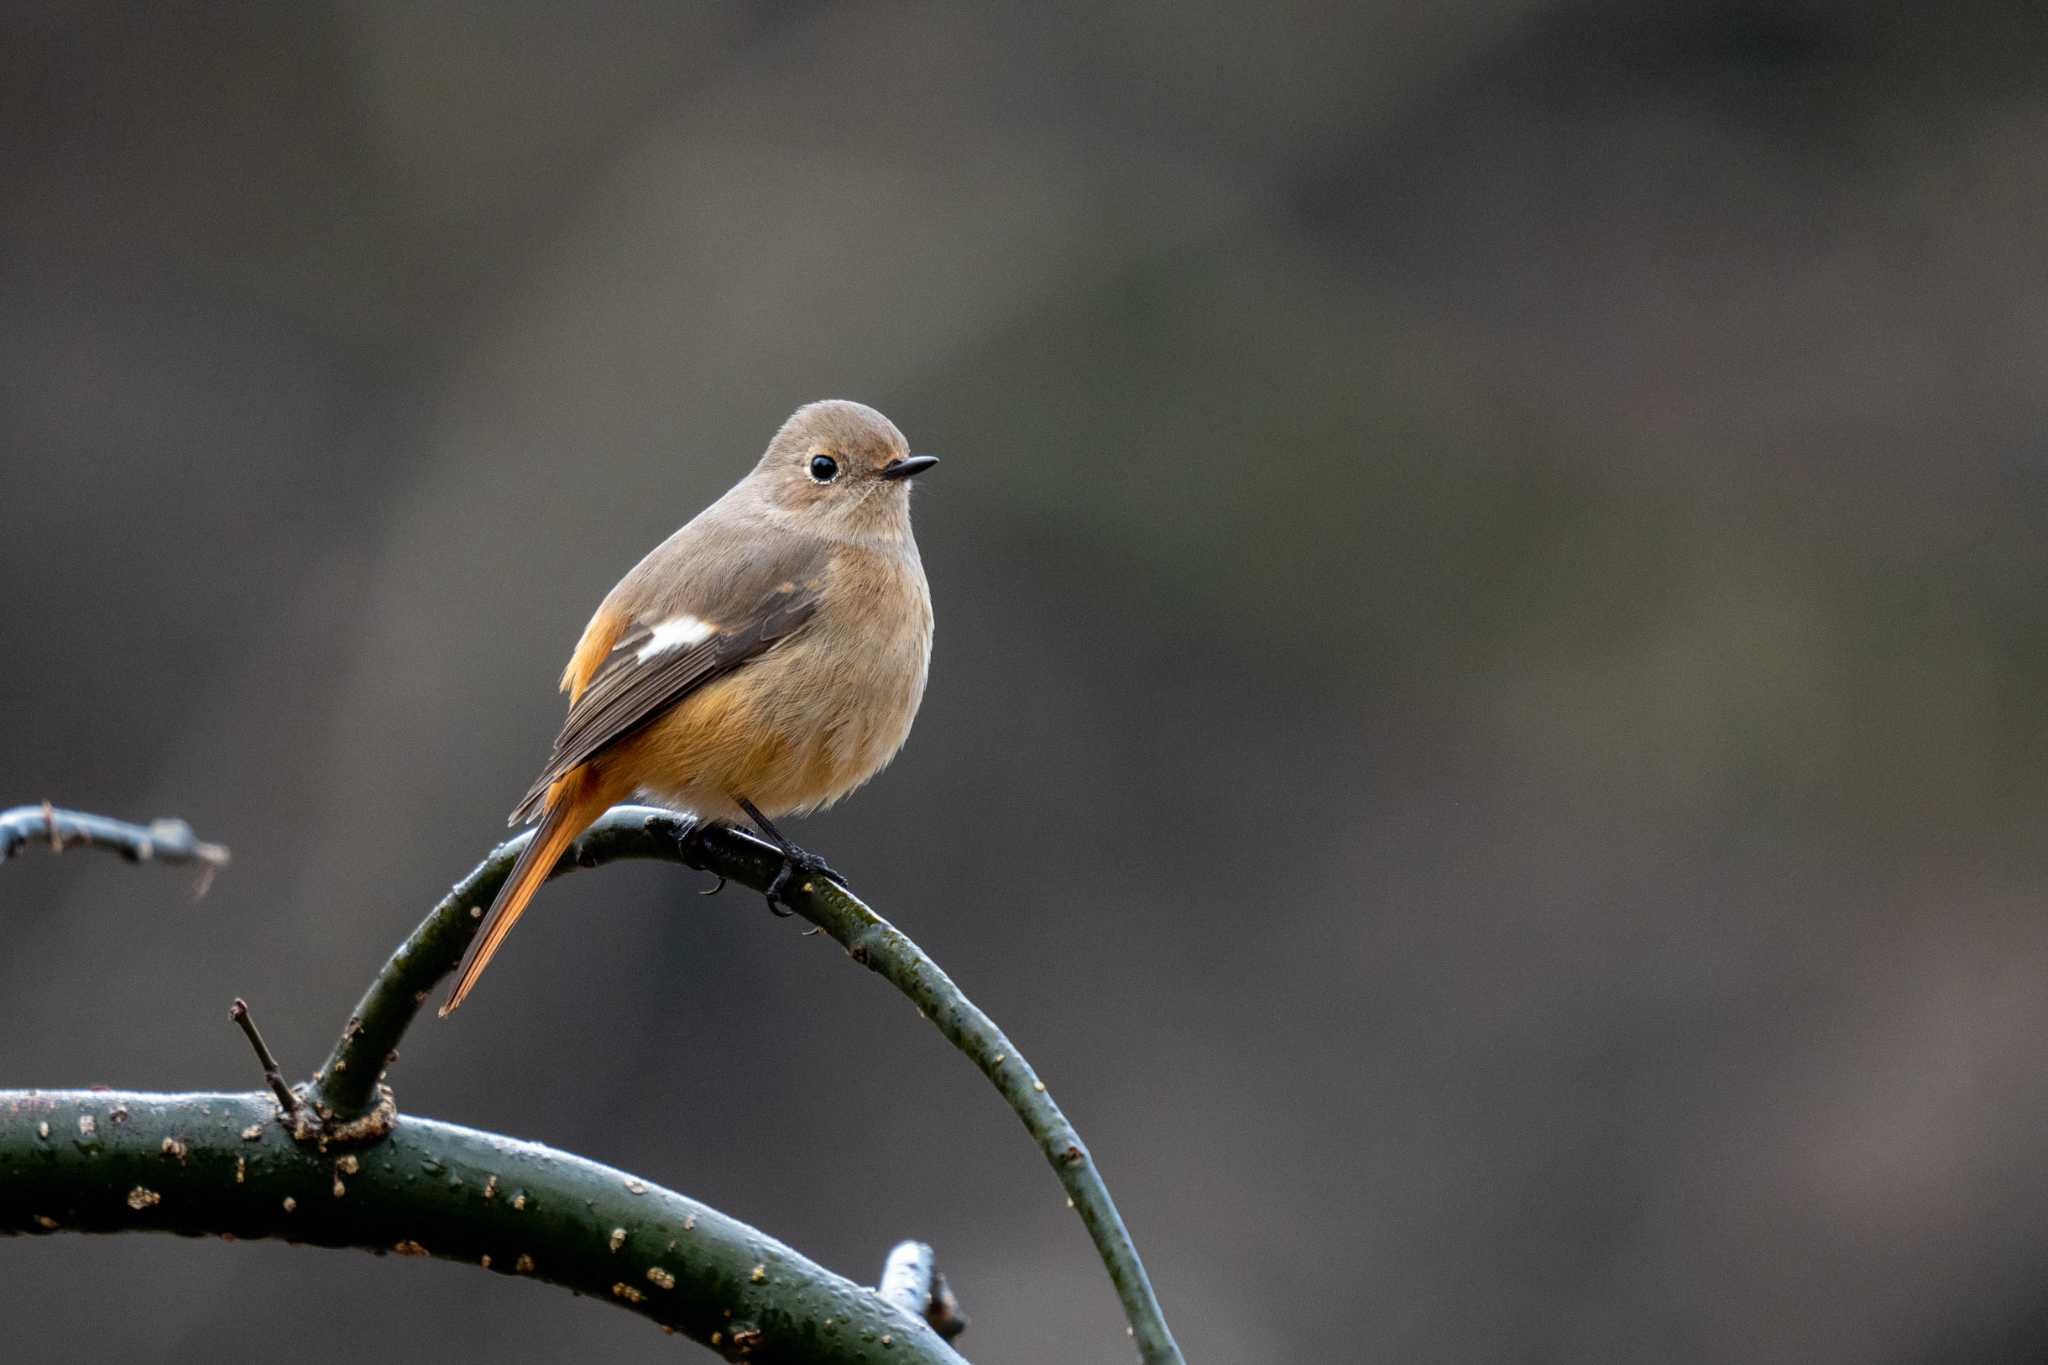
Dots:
pixel 764 660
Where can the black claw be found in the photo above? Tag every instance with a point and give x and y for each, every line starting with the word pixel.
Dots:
pixel 777 887
pixel 795 861
pixel 691 844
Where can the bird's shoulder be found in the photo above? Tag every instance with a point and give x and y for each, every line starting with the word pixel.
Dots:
pixel 722 571
pixel 717 574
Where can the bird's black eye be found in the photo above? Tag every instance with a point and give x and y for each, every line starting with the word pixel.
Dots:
pixel 824 468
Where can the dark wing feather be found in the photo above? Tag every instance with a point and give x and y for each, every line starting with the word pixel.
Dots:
pixel 625 693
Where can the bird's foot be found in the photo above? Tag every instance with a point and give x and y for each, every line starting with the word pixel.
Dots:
pixel 691 846
pixel 794 861
pixel 797 863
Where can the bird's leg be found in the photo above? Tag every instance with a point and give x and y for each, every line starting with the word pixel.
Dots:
pixel 691 845
pixel 794 860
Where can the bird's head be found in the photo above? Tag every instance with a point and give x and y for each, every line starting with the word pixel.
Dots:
pixel 841 467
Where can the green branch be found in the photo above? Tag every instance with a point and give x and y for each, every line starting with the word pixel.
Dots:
pixel 223 1165
pixel 346 1090
pixel 347 1114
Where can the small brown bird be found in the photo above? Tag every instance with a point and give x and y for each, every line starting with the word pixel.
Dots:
pixel 765 660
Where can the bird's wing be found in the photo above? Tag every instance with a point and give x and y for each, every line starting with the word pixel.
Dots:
pixel 684 631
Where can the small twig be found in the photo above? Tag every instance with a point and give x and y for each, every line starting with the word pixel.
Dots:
pixel 160 841
pixel 907 1274
pixel 911 1280
pixel 272 1077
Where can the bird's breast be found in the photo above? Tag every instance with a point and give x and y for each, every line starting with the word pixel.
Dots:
pixel 814 717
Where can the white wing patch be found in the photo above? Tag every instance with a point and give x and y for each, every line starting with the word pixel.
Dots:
pixel 678 632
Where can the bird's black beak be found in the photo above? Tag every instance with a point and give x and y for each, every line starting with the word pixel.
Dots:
pixel 910 468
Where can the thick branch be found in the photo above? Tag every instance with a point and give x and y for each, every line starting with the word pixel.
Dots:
pixel 222 1164
pixel 162 841
pixel 346 1088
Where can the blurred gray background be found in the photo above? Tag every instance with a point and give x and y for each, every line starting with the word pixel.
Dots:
pixel 1486 730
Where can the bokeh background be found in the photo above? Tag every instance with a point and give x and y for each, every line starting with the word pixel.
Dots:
pixel 1486 729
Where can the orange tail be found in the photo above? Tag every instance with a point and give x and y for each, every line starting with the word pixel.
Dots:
pixel 578 799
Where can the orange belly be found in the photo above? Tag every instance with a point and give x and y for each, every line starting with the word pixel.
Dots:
pixel 770 733
pixel 802 725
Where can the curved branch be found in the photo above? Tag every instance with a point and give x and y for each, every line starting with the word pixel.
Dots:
pixel 161 841
pixel 223 1165
pixel 346 1088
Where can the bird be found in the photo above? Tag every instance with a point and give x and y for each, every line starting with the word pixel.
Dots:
pixel 765 660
